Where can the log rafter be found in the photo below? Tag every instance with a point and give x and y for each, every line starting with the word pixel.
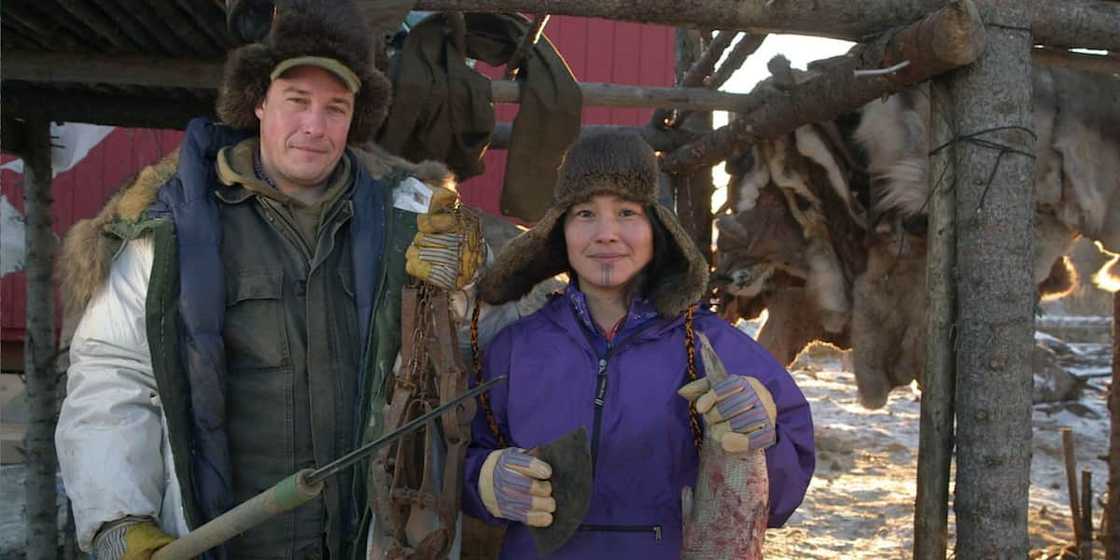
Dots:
pixel 946 39
pixel 1065 23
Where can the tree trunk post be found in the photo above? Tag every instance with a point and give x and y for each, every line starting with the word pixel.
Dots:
pixel 994 208
pixel 693 189
pixel 40 346
pixel 1111 527
pixel 935 438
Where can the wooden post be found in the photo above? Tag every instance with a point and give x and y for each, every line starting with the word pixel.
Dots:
pixel 935 437
pixel 693 189
pixel 995 324
pixel 40 345
pixel 1111 525
pixel 1085 545
pixel 1069 454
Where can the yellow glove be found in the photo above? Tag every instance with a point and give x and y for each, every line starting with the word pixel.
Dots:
pixel 515 485
pixel 739 411
pixel 448 249
pixel 130 541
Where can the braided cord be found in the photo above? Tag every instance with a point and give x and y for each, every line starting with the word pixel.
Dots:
pixel 690 347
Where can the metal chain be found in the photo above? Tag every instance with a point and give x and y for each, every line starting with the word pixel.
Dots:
pixel 690 347
pixel 476 362
pixel 414 373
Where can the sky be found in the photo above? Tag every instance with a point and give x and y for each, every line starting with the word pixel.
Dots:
pixel 799 49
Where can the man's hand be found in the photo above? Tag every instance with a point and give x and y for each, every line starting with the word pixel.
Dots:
pixel 130 540
pixel 514 485
pixel 448 249
pixel 739 412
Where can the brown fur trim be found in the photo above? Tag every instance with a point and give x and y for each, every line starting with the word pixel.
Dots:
pixel 244 85
pixel 87 252
pixel 379 163
pixel 686 284
pixel 617 163
pixel 525 261
pixel 307 28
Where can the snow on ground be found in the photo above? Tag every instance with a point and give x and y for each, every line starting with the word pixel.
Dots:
pixel 860 502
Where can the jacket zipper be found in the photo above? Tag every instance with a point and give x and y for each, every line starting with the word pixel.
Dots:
pixel 600 400
pixel 601 392
pixel 655 529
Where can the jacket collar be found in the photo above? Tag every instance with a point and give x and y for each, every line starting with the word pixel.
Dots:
pixel 561 311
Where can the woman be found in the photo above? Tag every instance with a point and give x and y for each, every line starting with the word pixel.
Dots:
pixel 610 354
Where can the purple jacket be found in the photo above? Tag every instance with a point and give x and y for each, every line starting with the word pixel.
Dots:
pixel 641 442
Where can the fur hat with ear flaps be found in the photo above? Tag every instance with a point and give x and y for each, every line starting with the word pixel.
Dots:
pixel 608 163
pixel 332 30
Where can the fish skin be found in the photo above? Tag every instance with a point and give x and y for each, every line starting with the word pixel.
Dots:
pixel 725 515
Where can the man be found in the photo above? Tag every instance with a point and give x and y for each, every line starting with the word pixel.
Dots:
pixel 247 316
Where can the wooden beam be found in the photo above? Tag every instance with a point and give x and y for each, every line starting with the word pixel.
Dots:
pixel 659 140
pixel 1065 23
pixel 614 95
pixel 935 434
pixel 134 70
pixel 134 111
pixel 946 39
pixel 97 21
pixel 1100 63
pixel 44 67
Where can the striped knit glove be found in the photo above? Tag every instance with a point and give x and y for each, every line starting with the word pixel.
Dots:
pixel 739 411
pixel 514 485
pixel 130 539
pixel 448 249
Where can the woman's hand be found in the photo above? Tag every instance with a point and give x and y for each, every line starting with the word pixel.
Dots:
pixel 739 412
pixel 514 485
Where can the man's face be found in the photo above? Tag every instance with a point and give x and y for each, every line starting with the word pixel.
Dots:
pixel 305 119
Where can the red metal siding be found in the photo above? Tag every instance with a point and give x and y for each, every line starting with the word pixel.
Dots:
pixel 597 50
pixel 79 193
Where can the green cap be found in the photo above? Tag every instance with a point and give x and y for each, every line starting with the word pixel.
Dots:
pixel 348 77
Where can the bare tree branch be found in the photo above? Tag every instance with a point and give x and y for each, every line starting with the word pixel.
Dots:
pixel 697 74
pixel 946 39
pixel 735 59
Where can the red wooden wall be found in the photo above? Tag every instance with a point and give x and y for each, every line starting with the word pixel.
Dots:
pixel 596 50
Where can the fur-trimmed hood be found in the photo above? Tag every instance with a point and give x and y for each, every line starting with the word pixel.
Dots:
pixel 332 29
pixel 615 163
pixel 89 247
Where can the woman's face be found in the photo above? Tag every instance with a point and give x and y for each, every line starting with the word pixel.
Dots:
pixel 609 241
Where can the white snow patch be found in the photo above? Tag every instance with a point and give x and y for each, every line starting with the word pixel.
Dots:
pixel 860 503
